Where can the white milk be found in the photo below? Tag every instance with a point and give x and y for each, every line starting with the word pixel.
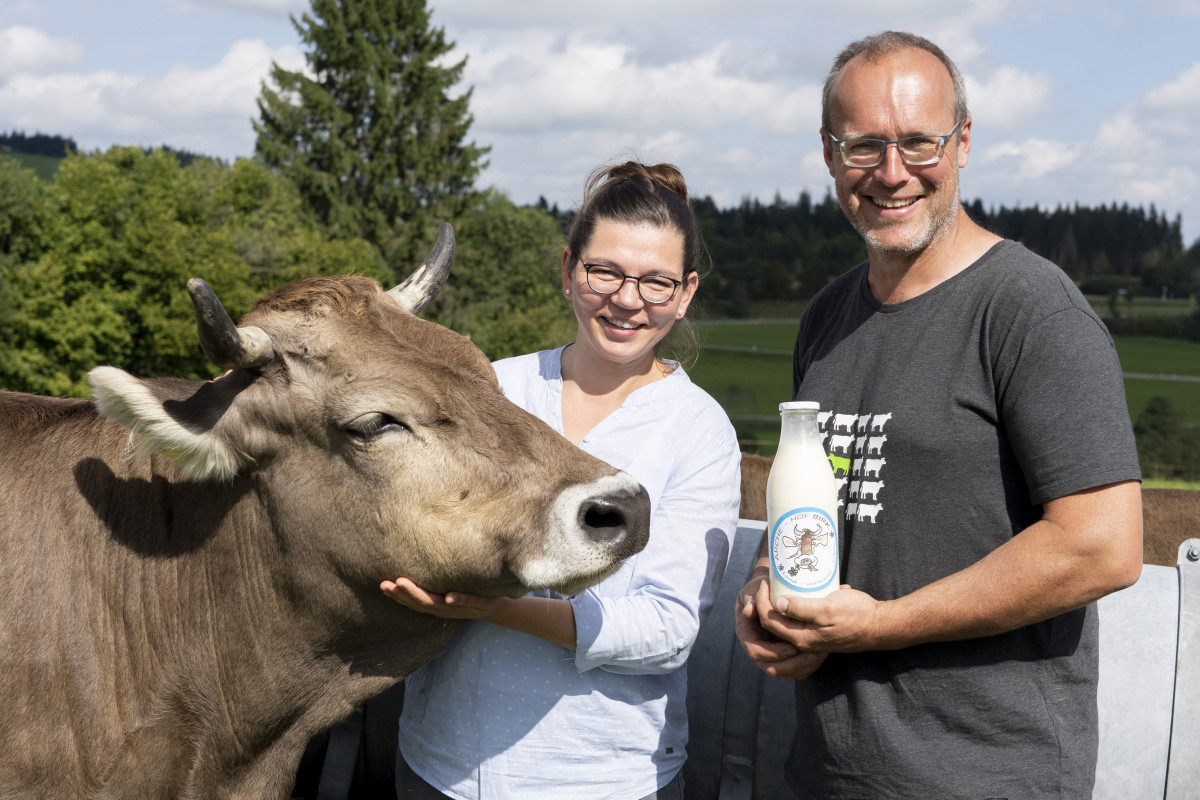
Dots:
pixel 802 509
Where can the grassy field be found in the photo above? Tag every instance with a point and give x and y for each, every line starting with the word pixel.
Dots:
pixel 44 166
pixel 1141 307
pixel 750 383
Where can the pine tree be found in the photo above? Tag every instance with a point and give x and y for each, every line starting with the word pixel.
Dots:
pixel 373 140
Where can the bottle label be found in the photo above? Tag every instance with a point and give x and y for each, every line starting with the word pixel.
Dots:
pixel 804 549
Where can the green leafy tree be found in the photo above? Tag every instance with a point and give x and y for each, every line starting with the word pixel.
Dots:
pixel 23 205
pixel 504 291
pixel 101 278
pixel 371 135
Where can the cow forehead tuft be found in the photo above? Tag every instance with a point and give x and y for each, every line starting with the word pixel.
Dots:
pixel 323 295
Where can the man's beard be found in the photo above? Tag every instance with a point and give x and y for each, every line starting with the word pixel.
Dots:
pixel 933 229
pixel 936 224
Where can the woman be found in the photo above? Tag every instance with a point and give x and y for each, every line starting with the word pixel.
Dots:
pixel 584 697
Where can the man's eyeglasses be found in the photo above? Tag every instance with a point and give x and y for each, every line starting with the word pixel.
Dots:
pixel 654 289
pixel 915 151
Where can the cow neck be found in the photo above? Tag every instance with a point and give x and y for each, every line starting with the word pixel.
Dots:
pixel 256 650
pixel 184 614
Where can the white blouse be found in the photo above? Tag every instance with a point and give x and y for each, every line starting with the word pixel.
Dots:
pixel 503 714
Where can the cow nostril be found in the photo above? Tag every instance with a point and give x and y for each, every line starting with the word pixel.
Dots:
pixel 603 522
pixel 618 520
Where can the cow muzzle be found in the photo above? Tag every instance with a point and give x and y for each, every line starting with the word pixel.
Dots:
pixel 593 527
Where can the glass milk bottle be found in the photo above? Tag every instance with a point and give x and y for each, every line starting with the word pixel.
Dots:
pixel 802 509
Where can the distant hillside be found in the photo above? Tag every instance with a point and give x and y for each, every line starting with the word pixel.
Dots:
pixel 43 166
pixel 39 144
pixel 41 152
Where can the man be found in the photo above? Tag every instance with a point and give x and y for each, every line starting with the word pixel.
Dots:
pixel 959 658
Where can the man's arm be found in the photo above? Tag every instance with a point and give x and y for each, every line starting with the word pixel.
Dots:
pixel 1086 545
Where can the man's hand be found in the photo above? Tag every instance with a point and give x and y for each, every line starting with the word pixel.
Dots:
pixel 451 605
pixel 775 657
pixel 843 622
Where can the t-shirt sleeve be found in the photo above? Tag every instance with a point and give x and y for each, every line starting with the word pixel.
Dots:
pixel 1062 400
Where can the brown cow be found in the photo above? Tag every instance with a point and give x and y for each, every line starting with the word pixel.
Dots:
pixel 1169 516
pixel 755 469
pixel 179 627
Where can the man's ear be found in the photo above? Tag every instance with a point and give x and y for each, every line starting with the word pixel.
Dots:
pixel 964 143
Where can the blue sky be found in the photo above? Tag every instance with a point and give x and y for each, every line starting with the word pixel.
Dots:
pixel 1073 102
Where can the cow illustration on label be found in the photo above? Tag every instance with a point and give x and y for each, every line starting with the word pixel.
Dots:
pixel 804 551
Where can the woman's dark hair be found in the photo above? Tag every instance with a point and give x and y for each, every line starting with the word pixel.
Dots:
pixel 641 194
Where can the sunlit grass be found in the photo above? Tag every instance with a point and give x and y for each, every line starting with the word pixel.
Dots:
pixel 1153 483
pixel 750 385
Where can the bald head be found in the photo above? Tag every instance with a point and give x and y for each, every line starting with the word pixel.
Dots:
pixel 880 47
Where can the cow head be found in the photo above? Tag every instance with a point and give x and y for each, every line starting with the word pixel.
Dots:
pixel 380 444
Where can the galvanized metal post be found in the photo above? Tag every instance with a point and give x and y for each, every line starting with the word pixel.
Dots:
pixel 1183 766
pixel 1139 631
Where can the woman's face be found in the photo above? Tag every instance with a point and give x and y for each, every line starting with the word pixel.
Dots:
pixel 622 327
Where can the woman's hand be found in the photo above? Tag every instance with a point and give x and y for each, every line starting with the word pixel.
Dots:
pixel 451 605
pixel 549 618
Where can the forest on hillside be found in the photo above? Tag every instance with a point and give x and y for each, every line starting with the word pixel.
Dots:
pixel 786 251
pixel 58 146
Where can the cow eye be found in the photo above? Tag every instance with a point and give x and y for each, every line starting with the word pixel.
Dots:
pixel 369 426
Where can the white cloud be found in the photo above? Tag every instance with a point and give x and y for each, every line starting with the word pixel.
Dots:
pixel 1142 153
pixel 1145 152
pixel 1118 137
pixel 1032 159
pixel 227 88
pixel 1173 109
pixel 1183 92
pixel 267 8
pixel 69 102
pixel 24 49
pixel 631 15
pixel 1009 100
pixel 207 110
pixel 540 82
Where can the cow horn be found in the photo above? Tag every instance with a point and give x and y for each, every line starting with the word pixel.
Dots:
pixel 223 343
pixel 423 285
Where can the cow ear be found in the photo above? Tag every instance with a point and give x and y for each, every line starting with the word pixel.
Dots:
pixel 203 454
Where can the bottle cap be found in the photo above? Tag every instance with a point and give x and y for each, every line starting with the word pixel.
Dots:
pixel 800 405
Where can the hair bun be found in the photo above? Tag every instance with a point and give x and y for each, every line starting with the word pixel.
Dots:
pixel 669 177
pixel 665 176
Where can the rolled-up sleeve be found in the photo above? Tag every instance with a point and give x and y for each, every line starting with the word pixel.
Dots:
pixel 644 619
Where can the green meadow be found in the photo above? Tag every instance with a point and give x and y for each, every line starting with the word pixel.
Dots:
pixel 753 377
pixel 44 166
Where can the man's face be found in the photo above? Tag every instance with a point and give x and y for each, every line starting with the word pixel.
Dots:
pixel 896 208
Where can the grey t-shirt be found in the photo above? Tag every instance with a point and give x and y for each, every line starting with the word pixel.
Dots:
pixel 950 418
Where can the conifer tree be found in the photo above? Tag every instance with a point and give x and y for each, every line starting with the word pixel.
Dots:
pixel 372 139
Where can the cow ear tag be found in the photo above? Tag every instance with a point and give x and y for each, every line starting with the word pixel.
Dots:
pixel 174 455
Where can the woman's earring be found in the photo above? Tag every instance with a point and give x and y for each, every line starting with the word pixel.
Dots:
pixel 568 292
